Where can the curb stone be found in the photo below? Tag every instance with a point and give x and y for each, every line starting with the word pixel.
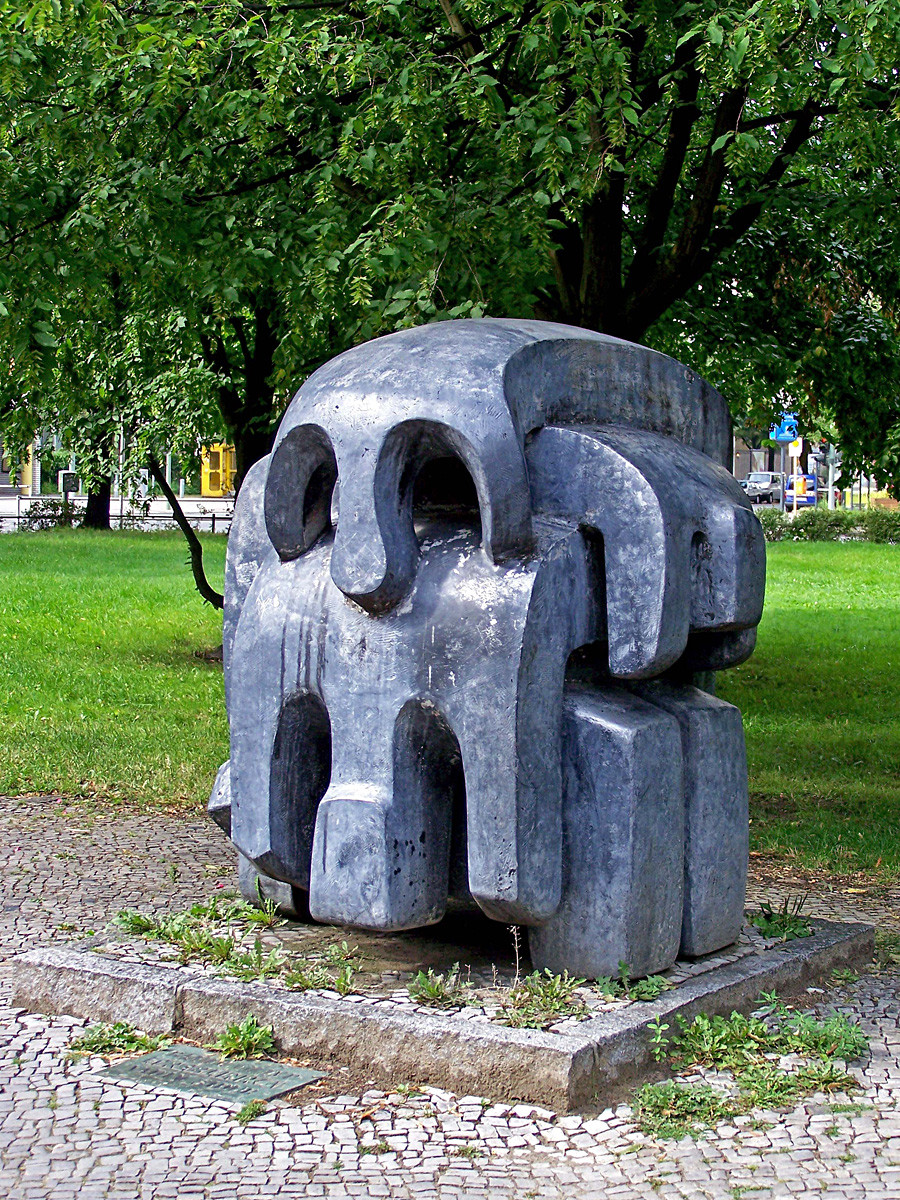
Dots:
pixel 594 1065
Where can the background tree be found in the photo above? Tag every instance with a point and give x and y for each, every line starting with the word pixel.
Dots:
pixel 297 177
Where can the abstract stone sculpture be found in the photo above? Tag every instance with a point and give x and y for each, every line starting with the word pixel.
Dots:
pixel 466 599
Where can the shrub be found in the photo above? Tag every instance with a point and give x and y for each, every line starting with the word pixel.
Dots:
pixel 821 524
pixel 774 524
pixel 50 513
pixel 883 525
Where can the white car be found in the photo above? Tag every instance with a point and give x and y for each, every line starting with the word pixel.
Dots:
pixel 763 487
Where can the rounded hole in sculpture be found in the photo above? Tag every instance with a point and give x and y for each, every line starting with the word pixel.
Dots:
pixel 299 488
pixel 588 665
pixel 317 506
pixel 444 491
pixel 428 769
pixel 299 776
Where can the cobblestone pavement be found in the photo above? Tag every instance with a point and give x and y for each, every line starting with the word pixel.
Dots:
pixel 67 1132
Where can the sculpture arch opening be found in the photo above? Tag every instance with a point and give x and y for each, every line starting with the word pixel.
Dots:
pixel 299 488
pixel 444 490
pixel 301 771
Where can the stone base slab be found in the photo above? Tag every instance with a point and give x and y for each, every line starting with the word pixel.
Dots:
pixel 591 1067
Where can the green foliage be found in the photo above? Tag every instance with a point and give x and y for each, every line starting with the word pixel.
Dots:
pixel 241 193
pixel 748 1048
pixel 879 525
pixel 883 525
pixel 50 513
pixel 540 1000
pixel 784 923
pixel 248 1039
pixel 198 936
pixel 251 1110
pixel 675 1110
pixel 441 991
pixel 843 977
pixel 256 963
pixel 117 1037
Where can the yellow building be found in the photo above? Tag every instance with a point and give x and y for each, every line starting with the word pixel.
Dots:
pixel 217 468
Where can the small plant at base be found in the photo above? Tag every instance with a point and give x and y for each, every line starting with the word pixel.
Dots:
pixel 469 1152
pixel 379 1148
pixel 251 1110
pixel 307 978
pixel 659 1043
pixel 516 934
pixel 671 1110
pixel 541 1000
pixel 441 991
pixel 267 911
pixel 648 989
pixel 843 977
pixel 249 1039
pixel 785 923
pixel 255 964
pixel 116 1038
pixel 748 1048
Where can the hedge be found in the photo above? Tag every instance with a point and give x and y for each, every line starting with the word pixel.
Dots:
pixel 832 525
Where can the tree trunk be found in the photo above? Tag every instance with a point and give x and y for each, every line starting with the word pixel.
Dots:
pixel 249 447
pixel 96 514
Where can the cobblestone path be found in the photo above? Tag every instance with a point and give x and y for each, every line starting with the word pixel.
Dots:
pixel 67 1132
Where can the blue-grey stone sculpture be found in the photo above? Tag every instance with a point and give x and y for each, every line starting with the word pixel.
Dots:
pixel 467 596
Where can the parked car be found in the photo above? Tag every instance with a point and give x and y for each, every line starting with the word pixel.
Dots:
pixel 763 487
pixel 806 491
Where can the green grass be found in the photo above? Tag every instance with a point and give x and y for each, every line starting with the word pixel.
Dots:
pixel 101 694
pixel 100 691
pixel 820 699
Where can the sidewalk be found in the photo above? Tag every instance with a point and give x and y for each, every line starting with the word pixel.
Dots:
pixel 65 1132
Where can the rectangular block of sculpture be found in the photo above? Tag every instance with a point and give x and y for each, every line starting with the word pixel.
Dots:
pixel 461 529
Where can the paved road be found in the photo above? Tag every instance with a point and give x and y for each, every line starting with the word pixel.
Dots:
pixel 66 1132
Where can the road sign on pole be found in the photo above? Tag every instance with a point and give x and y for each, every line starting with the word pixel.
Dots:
pixel 795 449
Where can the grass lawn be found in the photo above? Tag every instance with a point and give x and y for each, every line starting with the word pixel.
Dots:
pixel 102 693
pixel 821 705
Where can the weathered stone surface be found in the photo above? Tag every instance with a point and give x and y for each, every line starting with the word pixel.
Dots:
pixel 623 842
pixel 716 831
pixel 505 493
pixel 82 984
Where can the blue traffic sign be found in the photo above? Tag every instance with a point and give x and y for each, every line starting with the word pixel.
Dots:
pixel 786 431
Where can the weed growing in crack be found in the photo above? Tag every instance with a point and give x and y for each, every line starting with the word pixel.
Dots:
pixel 749 1048
pixel 248 1039
pixel 251 1110
pixel 116 1038
pixel 540 1000
pixel 441 991
pixel 256 963
pixel 785 923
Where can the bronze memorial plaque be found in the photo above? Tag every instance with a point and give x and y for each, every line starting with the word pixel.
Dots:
pixel 190 1069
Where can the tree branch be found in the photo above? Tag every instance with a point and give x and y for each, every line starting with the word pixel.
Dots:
pixel 204 587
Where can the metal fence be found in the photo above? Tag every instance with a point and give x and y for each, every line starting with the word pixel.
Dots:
pixel 206 522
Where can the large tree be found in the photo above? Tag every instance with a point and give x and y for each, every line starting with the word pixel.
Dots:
pixel 297 176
